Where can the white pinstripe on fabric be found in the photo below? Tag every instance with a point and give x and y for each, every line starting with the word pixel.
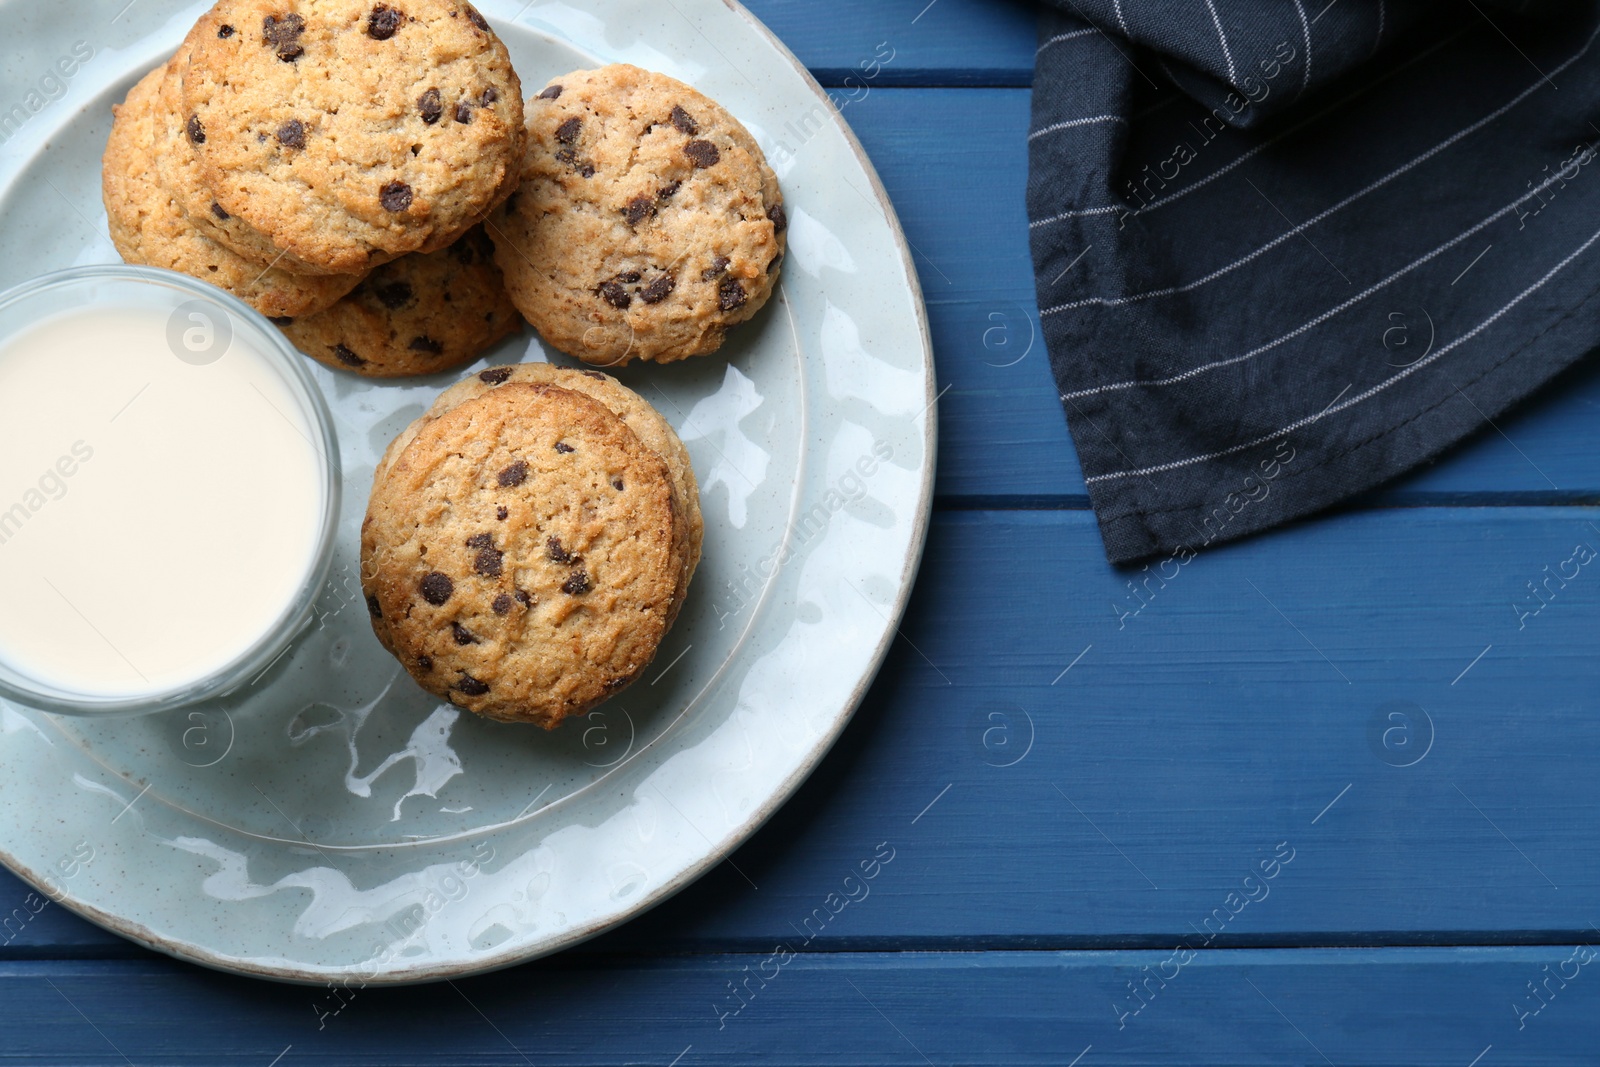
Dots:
pixel 1378 40
pixel 1201 183
pixel 1337 309
pixel 1071 123
pixel 1121 301
pixel 1058 38
pixel 1227 53
pixel 1305 27
pixel 1116 5
pixel 1334 409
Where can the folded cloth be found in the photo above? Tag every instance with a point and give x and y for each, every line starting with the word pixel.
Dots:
pixel 1285 253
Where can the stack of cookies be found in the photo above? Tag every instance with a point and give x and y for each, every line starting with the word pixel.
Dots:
pixel 529 541
pixel 367 175
pixel 327 161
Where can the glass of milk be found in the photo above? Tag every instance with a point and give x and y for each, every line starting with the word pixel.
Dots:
pixel 169 486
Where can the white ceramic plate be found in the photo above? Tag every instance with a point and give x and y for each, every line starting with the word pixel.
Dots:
pixel 337 823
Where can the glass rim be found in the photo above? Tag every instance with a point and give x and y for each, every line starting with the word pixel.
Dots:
pixel 275 638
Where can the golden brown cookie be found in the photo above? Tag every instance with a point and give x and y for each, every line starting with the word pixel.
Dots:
pixel 352 132
pixel 644 420
pixel 178 170
pixel 421 314
pixel 522 554
pixel 148 227
pixel 648 221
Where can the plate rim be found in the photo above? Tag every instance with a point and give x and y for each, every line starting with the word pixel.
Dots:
pixel 193 953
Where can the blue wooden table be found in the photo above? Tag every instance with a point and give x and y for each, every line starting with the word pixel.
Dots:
pixel 1327 796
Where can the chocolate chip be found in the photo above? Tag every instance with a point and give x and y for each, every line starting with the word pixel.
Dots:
pixel 471 686
pixel 430 106
pixel 502 604
pixel 383 22
pixel 524 599
pixel 586 171
pixel 719 265
pixel 395 196
pixel 563 448
pixel 514 475
pixel 462 635
pixel 666 191
pixel 495 376
pixel 490 95
pixel 702 154
pixel 568 131
pixel 197 132
pixel 292 134
pixel 628 277
pixel 284 35
pixel 489 562
pixel 657 290
pixel 426 344
pixel 614 294
pixel 684 121
pixel 617 683
pixel 395 295
pixel 424 664
pixel 347 357
pixel 225 31
pixel 556 553
pixel 593 374
pixel 772 264
pixel 437 588
pixel 551 92
pixel 566 155
pixel 780 218
pixel 464 113
pixel 481 540
pixel 502 514
pixel 639 209
pixel 374 608
pixel 730 294
pixel 282 320
pixel 616 483
pixel 220 212
pixel 577 583
pixel 476 19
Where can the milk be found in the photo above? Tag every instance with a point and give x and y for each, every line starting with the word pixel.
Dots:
pixel 160 504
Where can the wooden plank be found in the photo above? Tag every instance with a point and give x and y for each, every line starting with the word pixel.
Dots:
pixel 1449 1007
pixel 1158 755
pixel 945 42
pixel 1004 438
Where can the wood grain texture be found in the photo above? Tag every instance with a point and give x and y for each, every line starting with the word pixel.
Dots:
pixel 955 164
pixel 942 42
pixel 1440 1007
pixel 1159 754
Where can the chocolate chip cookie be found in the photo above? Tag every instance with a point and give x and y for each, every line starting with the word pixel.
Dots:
pixel 177 168
pixel 648 221
pixel 352 132
pixel 148 227
pixel 522 554
pixel 421 314
pixel 644 420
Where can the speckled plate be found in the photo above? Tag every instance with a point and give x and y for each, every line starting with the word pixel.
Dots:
pixel 335 823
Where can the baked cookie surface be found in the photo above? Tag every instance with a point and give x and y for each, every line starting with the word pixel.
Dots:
pixel 178 169
pixel 648 221
pixel 149 228
pixel 420 314
pixel 521 555
pixel 352 132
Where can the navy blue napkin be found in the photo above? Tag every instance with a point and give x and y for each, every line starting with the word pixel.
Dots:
pixel 1286 251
